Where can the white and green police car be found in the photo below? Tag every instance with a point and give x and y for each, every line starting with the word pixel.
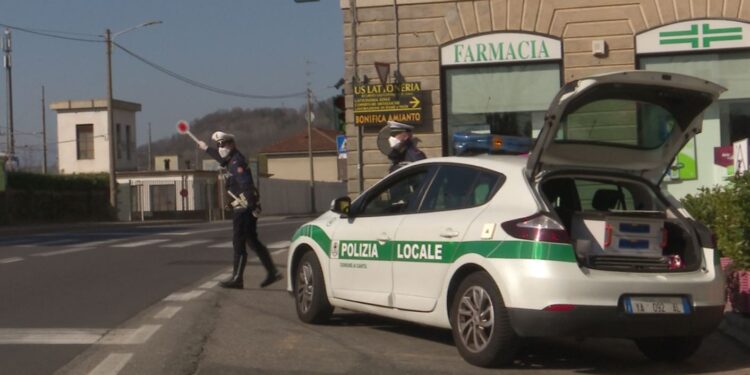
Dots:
pixel 574 239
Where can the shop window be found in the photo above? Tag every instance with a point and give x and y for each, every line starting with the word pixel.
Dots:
pixel 500 99
pixel 728 69
pixel 85 141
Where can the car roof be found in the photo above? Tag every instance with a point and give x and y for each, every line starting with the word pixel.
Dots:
pixel 503 163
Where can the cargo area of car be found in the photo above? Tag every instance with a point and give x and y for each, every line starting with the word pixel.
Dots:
pixel 621 224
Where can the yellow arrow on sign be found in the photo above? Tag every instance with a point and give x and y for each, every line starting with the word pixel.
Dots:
pixel 414 102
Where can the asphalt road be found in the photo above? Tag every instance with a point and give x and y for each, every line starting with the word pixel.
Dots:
pixel 152 309
pixel 61 292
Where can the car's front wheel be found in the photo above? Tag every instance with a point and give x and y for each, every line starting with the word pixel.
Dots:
pixel 480 323
pixel 668 349
pixel 310 291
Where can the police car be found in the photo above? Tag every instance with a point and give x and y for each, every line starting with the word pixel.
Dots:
pixel 574 239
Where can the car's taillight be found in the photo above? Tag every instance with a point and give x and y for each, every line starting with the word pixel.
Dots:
pixel 664 238
pixel 538 227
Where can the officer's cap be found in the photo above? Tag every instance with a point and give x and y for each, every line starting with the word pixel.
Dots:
pixel 397 127
pixel 222 137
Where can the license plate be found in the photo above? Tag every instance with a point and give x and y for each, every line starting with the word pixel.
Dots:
pixel 656 305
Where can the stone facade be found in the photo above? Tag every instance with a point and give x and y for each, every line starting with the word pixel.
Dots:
pixel 424 26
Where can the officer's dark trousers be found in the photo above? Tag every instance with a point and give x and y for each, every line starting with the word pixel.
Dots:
pixel 246 233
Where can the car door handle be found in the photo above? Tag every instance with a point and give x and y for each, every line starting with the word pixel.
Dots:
pixel 449 233
pixel 383 237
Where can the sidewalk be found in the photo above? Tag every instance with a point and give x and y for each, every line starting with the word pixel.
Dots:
pixel 737 327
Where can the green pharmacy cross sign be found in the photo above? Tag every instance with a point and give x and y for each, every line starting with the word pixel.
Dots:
pixel 700 38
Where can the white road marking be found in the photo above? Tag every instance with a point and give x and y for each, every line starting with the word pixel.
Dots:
pixel 223 245
pixel 279 251
pixel 97 243
pixel 186 243
pixel 223 276
pixel 209 284
pixel 112 364
pixel 141 243
pixel 187 296
pixel 173 233
pixel 10 260
pixel 167 312
pixel 61 252
pixel 283 222
pixel 49 243
pixel 76 336
pixel 279 245
pixel 22 336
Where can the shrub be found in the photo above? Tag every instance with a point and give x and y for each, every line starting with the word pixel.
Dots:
pixel 78 182
pixel 726 210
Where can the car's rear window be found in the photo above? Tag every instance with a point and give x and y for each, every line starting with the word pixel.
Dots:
pixel 629 115
pixel 617 121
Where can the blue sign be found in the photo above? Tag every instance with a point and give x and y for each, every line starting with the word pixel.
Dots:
pixel 341 146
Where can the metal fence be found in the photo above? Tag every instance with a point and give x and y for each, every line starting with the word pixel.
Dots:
pixel 148 199
pixel 287 197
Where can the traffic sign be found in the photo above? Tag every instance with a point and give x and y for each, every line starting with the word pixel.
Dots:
pixel 378 104
pixel 341 146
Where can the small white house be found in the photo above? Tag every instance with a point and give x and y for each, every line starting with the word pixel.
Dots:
pixel 83 135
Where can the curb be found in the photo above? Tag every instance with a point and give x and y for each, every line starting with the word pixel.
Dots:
pixel 737 327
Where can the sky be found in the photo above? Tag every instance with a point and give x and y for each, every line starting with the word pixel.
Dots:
pixel 259 47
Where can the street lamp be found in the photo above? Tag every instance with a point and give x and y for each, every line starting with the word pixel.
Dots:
pixel 108 37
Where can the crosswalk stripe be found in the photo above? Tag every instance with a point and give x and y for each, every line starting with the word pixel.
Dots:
pixel 278 245
pixel 97 243
pixel 10 260
pixel 141 243
pixel 187 296
pixel 77 336
pixel 167 312
pixel 223 245
pixel 65 251
pixel 209 284
pixel 49 243
pixel 112 364
pixel 185 243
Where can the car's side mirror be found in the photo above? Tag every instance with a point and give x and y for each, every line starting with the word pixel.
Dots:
pixel 341 205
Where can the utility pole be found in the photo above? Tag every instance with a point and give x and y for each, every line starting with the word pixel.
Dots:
pixel 111 126
pixel 44 134
pixel 309 149
pixel 149 147
pixel 11 147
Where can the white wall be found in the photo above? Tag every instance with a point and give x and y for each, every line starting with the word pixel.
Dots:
pixel 298 167
pixel 68 162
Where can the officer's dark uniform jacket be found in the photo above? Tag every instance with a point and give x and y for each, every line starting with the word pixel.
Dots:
pixel 408 153
pixel 240 180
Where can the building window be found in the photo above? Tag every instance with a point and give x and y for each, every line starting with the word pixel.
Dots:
pixel 118 142
pixel 85 141
pixel 127 141
pixel 499 99
pixel 728 69
pixel 166 164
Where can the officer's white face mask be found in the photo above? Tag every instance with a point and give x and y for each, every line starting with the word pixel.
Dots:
pixel 394 142
pixel 224 152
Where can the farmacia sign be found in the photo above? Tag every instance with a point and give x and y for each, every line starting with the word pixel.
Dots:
pixel 501 48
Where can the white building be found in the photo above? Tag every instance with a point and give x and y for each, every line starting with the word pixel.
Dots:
pixel 83 135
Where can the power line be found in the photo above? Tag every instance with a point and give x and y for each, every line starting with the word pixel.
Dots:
pixel 50 34
pixel 204 85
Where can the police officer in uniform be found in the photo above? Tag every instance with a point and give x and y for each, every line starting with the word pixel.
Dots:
pixel 403 149
pixel 245 207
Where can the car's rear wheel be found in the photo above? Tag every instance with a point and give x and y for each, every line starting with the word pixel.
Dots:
pixel 310 291
pixel 669 349
pixel 480 323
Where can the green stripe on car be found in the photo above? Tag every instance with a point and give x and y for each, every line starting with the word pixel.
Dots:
pixel 435 252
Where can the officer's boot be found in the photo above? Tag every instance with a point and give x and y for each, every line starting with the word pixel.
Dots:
pixel 235 263
pixel 237 282
pixel 272 274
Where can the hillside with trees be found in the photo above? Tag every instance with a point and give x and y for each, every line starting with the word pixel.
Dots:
pixel 253 129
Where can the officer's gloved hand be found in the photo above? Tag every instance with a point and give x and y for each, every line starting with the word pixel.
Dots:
pixel 202 145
